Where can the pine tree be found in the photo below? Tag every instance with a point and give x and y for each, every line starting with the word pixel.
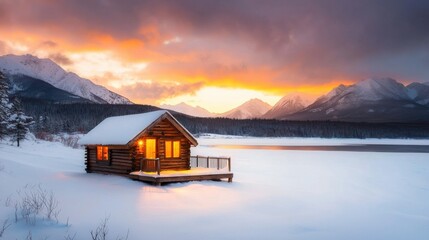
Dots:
pixel 18 122
pixel 4 106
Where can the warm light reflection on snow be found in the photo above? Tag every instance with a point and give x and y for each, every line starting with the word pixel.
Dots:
pixel 198 197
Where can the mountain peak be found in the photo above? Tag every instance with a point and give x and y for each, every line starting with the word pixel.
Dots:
pixel 188 109
pixel 47 70
pixel 380 88
pixel 253 108
pixel 288 104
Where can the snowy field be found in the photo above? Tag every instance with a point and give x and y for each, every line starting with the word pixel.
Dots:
pixel 276 194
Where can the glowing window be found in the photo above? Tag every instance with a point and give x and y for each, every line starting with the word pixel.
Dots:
pixel 172 149
pixel 168 149
pixel 102 153
pixel 176 149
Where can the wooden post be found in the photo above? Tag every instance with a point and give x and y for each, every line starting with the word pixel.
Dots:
pixel 229 164
pixel 208 162
pixel 197 161
pixel 141 164
pixel 217 163
pixel 158 166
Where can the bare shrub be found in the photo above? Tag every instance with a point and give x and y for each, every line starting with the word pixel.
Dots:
pixel 8 201
pixel 6 225
pixel 70 237
pixel 16 207
pixel 102 230
pixel 124 238
pixel 29 236
pixel 100 233
pixel 51 205
pixel 36 201
pixel 32 203
pixel 70 141
pixel 44 136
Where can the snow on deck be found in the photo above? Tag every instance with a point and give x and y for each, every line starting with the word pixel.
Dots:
pixel 192 172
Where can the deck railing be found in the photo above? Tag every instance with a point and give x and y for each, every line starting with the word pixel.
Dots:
pixel 150 165
pixel 211 162
pixel 154 165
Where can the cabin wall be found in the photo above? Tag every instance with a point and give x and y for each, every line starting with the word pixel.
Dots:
pixel 120 162
pixel 163 131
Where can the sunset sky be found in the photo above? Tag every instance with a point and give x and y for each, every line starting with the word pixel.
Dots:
pixel 218 54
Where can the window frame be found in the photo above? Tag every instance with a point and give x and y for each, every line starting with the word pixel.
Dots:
pixel 172 148
pixel 102 159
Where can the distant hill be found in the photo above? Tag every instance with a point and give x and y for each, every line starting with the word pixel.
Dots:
pixel 50 72
pixel 189 110
pixel 254 108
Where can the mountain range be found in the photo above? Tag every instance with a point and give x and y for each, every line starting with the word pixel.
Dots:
pixel 253 108
pixel 48 71
pixel 370 100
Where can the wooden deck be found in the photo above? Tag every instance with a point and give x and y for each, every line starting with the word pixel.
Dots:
pixel 201 168
pixel 180 176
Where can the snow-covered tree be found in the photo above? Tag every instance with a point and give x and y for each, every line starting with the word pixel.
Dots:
pixel 18 122
pixel 4 105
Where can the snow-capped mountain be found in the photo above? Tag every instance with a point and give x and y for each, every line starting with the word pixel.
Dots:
pixel 52 73
pixel 31 88
pixel 419 92
pixel 189 110
pixel 369 100
pixel 287 105
pixel 253 108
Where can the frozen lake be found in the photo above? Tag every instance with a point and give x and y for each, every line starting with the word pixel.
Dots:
pixel 349 148
pixel 276 194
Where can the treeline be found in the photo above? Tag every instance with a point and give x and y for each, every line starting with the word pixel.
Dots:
pixel 55 118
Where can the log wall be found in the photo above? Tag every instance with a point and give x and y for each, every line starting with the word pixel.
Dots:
pixel 120 161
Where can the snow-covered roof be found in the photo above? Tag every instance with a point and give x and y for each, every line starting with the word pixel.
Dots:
pixel 121 130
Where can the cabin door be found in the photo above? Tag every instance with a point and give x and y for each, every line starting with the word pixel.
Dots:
pixel 150 154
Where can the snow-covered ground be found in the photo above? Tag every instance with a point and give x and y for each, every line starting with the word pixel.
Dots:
pixel 276 194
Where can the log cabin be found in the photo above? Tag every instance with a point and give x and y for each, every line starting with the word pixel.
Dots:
pixel 153 141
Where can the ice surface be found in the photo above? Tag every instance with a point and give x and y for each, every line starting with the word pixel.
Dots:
pixel 275 194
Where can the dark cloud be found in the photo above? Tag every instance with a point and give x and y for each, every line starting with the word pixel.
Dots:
pixel 152 92
pixel 302 40
pixel 60 59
